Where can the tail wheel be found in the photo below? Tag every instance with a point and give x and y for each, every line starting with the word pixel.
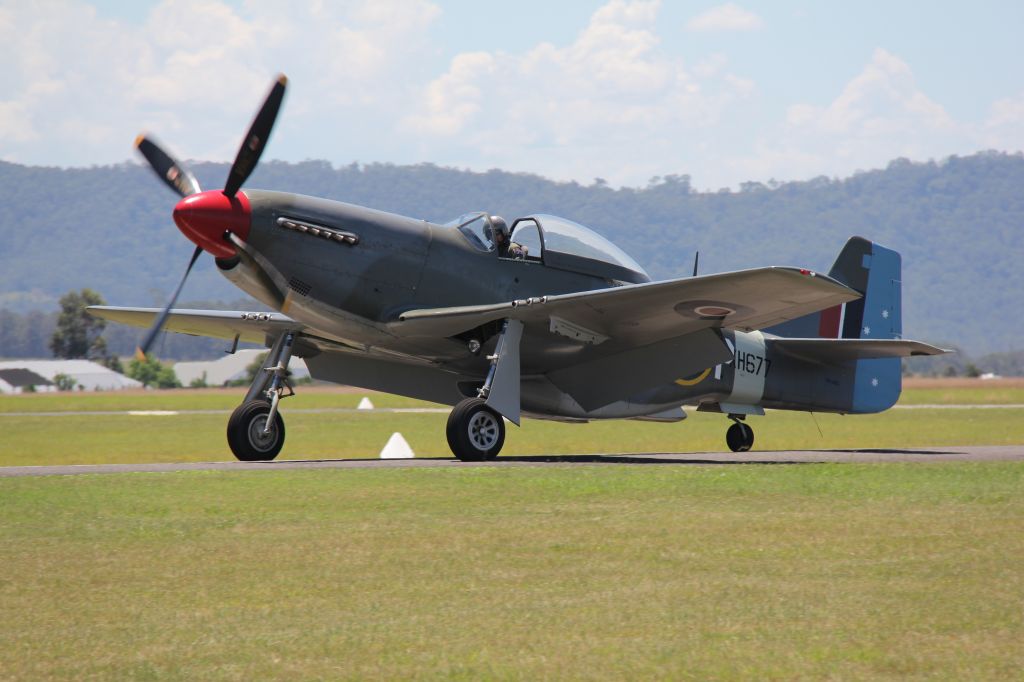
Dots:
pixel 475 431
pixel 248 437
pixel 739 437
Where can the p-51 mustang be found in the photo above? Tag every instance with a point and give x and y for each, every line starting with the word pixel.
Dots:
pixel 562 326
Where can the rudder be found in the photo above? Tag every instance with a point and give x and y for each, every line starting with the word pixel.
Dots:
pixel 874 271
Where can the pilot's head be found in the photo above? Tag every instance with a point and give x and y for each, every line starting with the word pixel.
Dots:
pixel 499 229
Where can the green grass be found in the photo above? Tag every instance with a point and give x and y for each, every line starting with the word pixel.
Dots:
pixel 120 438
pixel 91 439
pixel 980 395
pixel 202 399
pixel 561 572
pixel 321 398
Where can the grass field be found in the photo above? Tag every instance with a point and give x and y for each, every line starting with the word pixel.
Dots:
pixel 566 572
pixel 84 435
pixel 837 571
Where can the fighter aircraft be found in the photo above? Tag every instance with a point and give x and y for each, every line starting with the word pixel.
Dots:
pixel 547 320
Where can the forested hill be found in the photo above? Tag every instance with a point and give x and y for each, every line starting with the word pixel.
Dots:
pixel 959 225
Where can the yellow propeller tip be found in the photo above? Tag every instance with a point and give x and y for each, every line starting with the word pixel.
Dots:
pixel 282 79
pixel 138 140
pixel 139 355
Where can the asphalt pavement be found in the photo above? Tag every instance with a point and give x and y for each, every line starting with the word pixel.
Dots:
pixel 990 453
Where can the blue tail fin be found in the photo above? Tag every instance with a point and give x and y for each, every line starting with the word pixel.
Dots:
pixel 874 271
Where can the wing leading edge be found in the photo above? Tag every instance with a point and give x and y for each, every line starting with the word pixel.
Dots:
pixel 251 327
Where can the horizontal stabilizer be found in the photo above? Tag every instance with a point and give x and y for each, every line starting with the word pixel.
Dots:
pixel 832 351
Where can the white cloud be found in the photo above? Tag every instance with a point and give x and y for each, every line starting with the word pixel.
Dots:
pixel 611 103
pixel 371 82
pixel 727 17
pixel 878 115
pixel 194 71
pixel 1004 126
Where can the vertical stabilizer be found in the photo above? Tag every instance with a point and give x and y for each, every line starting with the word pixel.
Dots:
pixel 874 271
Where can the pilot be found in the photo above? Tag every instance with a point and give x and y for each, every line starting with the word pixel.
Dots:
pixel 506 247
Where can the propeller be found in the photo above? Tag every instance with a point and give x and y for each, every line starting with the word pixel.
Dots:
pixel 167 167
pixel 141 350
pixel 256 139
pixel 181 180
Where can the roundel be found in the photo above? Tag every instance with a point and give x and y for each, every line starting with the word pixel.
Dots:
pixel 713 311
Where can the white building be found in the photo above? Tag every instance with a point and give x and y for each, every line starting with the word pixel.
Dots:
pixel 89 376
pixel 229 368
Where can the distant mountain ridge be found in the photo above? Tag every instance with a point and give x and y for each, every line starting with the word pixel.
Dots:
pixel 959 224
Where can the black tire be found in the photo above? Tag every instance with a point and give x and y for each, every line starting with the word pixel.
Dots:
pixel 475 432
pixel 245 432
pixel 739 437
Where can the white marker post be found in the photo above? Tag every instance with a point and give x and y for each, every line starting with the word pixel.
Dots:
pixel 397 448
pixel 364 404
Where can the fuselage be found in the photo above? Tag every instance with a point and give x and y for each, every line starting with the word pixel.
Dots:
pixel 348 272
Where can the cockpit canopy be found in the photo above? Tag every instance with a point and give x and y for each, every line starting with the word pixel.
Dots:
pixel 476 227
pixel 558 243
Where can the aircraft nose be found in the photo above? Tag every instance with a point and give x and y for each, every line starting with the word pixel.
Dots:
pixel 206 218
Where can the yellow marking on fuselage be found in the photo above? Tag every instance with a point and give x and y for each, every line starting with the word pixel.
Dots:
pixel 696 380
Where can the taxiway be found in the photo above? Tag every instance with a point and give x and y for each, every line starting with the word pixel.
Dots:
pixel 938 454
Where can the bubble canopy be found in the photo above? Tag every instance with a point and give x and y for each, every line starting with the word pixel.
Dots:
pixel 559 243
pixel 570 246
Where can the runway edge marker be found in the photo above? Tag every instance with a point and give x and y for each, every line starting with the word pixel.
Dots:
pixel 397 448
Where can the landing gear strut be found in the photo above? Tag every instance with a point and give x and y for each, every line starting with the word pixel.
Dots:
pixel 739 437
pixel 476 427
pixel 256 428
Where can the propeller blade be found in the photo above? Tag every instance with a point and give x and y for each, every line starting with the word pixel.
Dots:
pixel 256 139
pixel 141 351
pixel 166 167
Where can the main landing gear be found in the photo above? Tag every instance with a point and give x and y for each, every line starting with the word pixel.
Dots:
pixel 739 437
pixel 476 427
pixel 256 428
pixel 475 431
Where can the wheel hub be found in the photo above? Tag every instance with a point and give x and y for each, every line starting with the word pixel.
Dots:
pixel 257 438
pixel 483 430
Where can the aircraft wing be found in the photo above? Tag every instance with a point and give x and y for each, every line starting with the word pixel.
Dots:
pixel 220 324
pixel 832 351
pixel 640 314
pixel 605 345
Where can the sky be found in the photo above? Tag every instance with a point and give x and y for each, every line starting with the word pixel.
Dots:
pixel 622 90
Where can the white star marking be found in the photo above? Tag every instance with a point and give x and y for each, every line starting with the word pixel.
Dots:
pixel 867 330
pixel 874 381
pixel 885 314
